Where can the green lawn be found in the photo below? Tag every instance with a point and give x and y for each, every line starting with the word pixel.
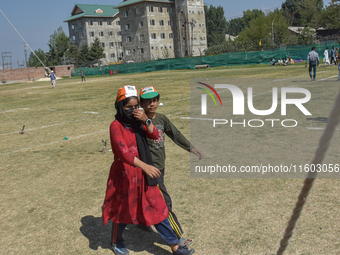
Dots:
pixel 52 189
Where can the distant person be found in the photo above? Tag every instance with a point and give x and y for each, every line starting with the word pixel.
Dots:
pixel 290 60
pixel 313 58
pixel 286 62
pixel 53 78
pixel 336 55
pixel 332 53
pixel 82 76
pixel 271 62
pixel 325 57
pixel 280 62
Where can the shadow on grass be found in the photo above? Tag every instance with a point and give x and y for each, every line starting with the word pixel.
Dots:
pixel 319 119
pixel 136 239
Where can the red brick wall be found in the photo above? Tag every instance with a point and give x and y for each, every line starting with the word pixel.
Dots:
pixel 29 73
pixel 33 73
pixel 63 70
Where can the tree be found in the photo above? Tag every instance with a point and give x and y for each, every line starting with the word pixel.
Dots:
pixel 302 12
pixel 235 26
pixel 96 51
pixel 261 28
pixel 289 8
pixel 83 55
pixel 59 43
pixel 250 15
pixel 216 25
pixel 309 12
pixel 33 60
pixel 330 17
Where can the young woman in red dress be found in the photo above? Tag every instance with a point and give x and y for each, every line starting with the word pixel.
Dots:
pixel 129 199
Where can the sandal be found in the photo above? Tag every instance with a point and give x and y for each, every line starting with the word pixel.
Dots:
pixel 185 242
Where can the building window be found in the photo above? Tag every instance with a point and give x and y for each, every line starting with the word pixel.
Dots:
pixel 103 45
pixel 169 23
pixel 113 55
pixel 110 33
pixel 152 48
pixel 120 44
pixel 101 33
pixel 127 27
pixel 170 47
pixel 118 23
pixel 119 33
pixel 109 23
pixel 91 34
pixel 90 23
pixel 128 52
pixel 72 26
pixel 152 22
pixel 100 23
pixel 121 54
pixel 171 35
pixel 150 8
pixel 141 23
pixel 137 11
pixel 141 37
pixel 73 37
pixel 161 22
pixel 160 9
pixel 163 35
pixel 126 14
pixel 128 39
pixel 134 51
pixel 111 44
pixel 141 51
pixel 153 35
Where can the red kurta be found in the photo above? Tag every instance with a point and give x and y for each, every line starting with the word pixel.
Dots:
pixel 128 198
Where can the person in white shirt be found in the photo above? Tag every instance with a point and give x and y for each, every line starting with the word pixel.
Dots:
pixel 325 57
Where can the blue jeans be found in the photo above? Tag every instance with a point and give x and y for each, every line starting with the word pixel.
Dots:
pixel 312 64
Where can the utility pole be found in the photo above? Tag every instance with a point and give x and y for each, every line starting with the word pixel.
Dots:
pixel 25 50
pixel 273 31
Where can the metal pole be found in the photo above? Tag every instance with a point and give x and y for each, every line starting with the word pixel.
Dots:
pixel 25 49
pixel 273 31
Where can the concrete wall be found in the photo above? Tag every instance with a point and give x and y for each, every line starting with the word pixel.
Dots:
pixel 85 30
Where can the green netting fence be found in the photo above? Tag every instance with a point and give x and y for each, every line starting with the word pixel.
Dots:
pixel 226 59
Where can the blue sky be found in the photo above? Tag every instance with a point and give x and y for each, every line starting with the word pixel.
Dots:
pixel 36 20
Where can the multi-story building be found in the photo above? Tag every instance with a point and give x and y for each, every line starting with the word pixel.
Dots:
pixel 149 29
pixel 89 21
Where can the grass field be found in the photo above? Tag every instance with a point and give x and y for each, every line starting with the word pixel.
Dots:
pixel 52 189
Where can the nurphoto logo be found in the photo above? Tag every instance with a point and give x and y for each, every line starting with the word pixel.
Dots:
pixel 238 99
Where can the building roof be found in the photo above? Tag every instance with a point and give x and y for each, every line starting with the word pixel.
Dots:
pixel 299 30
pixel 92 10
pixel 130 2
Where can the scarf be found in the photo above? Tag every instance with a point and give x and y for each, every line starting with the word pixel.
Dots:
pixel 126 118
